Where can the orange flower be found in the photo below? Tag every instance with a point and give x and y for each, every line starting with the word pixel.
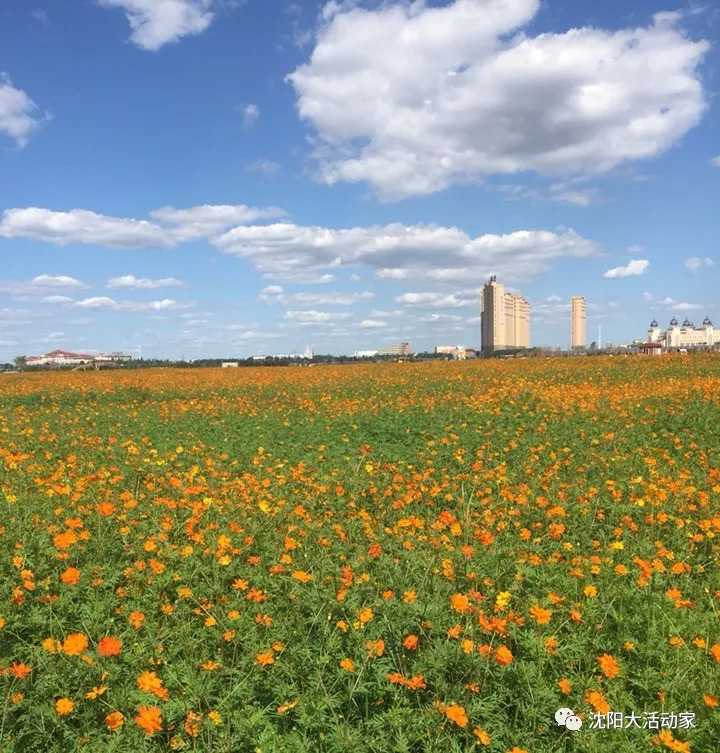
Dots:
pixel 106 509
pixel 411 642
pixel 715 652
pixel 365 615
pixel 192 723
pixel 20 670
pixel 460 603
pixel 149 719
pixel 376 648
pixel 64 706
pixel 265 659
pixel 482 736
pixel 347 664
pixel 302 576
pixel 110 646
pixel 114 720
pixel 136 620
pixel 75 644
pixel 609 666
pixel 71 576
pixel 597 700
pixel 565 685
pixel 151 683
pixel 285 707
pixel 590 592
pixel 710 700
pixel 540 615
pixel 456 714
pixel 503 656
pixel 210 665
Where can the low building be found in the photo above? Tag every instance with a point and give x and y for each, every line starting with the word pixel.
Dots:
pixel 59 358
pixel 403 349
pixel 456 351
pixel 650 349
pixel 365 353
pixel 686 335
pixel 229 364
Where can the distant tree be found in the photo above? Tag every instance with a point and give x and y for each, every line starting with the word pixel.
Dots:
pixel 20 362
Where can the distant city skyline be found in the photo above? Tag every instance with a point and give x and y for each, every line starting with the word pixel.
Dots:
pixel 245 180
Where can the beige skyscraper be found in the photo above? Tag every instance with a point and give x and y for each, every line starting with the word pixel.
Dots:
pixel 505 318
pixel 577 322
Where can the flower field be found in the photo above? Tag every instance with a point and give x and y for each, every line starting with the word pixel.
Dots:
pixel 371 558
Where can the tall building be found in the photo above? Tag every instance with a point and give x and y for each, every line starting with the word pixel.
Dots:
pixel 577 322
pixel 504 318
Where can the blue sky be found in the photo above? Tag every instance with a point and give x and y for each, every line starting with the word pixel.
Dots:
pixel 216 178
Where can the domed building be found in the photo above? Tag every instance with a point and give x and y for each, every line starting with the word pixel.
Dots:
pixel 685 336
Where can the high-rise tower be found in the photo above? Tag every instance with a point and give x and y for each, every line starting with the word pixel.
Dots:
pixel 577 322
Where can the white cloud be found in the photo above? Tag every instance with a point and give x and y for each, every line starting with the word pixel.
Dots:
pixel 250 114
pixel 264 166
pixel 171 226
pixel 632 269
pixel 412 98
pixel 696 263
pixel 275 294
pixel 57 281
pixel 554 299
pixel 143 283
pixel 372 324
pixel 42 287
pixel 17 112
pixel 314 317
pixel 715 161
pixel 636 248
pixel 109 304
pixel 671 303
pixel 440 319
pixel 155 23
pixel 647 297
pixel 399 252
pixel 436 300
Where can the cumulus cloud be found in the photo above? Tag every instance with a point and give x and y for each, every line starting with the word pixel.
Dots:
pixel 109 304
pixel 696 263
pixel 554 299
pixel 170 226
pixel 18 113
pixel 437 300
pixel 634 268
pixel 412 98
pixel 400 252
pixel 715 161
pixel 155 23
pixel 41 287
pixel 143 283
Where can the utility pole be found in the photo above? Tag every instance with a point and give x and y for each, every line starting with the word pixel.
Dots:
pixel 599 336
